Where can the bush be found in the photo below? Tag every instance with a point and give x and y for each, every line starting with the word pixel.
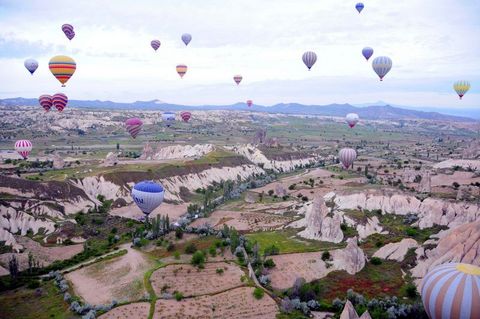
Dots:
pixel 269 263
pixel 270 192
pixel 176 255
pixel 212 251
pixel 33 284
pixel 178 296
pixel 179 233
pixel 271 250
pixel 326 255
pixel 411 232
pixel 191 248
pixel 219 271
pixel 170 246
pixel 198 258
pixel 258 293
pixel 376 261
pixel 411 291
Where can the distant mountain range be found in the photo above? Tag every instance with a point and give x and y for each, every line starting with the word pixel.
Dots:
pixel 375 111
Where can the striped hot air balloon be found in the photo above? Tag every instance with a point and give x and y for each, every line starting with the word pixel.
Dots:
pixel 181 70
pixel 249 103
pixel 382 65
pixel 23 147
pixel 359 6
pixel 46 101
pixel 367 52
pixel 237 78
pixel 352 119
pixel 62 67
pixel 309 58
pixel 347 156
pixel 31 65
pixel 148 195
pixel 60 101
pixel 185 115
pixel 155 44
pixel 68 30
pixel 186 38
pixel 461 87
pixel 452 291
pixel 168 118
pixel 134 126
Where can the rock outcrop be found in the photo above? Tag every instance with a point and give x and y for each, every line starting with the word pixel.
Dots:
pixel 58 162
pixel 111 159
pixel 349 312
pixel 372 226
pixel 461 244
pixel 319 225
pixel 396 251
pixel 466 164
pixel 351 258
pixel 468 192
pixel 176 151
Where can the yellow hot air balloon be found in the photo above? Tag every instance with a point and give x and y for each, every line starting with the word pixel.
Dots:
pixel 62 67
pixel 461 87
pixel 181 70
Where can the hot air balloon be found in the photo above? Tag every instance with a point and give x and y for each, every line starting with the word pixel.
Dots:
pixel 352 119
pixel 309 58
pixel 31 65
pixel 62 67
pixel 359 6
pixel 237 78
pixel 347 156
pixel 168 118
pixel 23 147
pixel 46 102
pixel 367 52
pixel 155 44
pixel 185 115
pixel 186 38
pixel 382 65
pixel 134 126
pixel 249 103
pixel 68 30
pixel 60 101
pixel 181 70
pixel 461 87
pixel 452 291
pixel 148 195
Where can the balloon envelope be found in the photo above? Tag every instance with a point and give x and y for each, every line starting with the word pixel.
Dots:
pixel 62 67
pixel 367 52
pixel 185 115
pixel 155 44
pixel 46 101
pixel 60 101
pixel 359 6
pixel 249 103
pixel 134 126
pixel 309 58
pixel 31 65
pixel 68 30
pixel 347 156
pixel 186 38
pixel 461 87
pixel 148 195
pixel 352 119
pixel 181 70
pixel 237 78
pixel 23 147
pixel 168 118
pixel 452 291
pixel 382 65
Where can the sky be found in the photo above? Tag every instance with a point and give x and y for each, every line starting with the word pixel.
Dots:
pixel 432 44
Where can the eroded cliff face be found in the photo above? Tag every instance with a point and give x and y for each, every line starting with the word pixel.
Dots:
pixel 319 225
pixel 175 151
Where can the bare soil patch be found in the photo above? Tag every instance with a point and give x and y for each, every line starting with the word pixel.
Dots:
pixel 138 310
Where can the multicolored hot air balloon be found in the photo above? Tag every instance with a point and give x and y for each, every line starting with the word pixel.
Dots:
pixel 23 147
pixel 359 6
pixel 347 156
pixel 186 38
pixel 237 78
pixel 309 58
pixel 367 52
pixel 46 102
pixel 148 195
pixel 60 101
pixel 31 65
pixel 181 70
pixel 461 87
pixel 352 119
pixel 134 126
pixel 168 118
pixel 68 30
pixel 185 115
pixel 155 44
pixel 382 65
pixel 249 103
pixel 452 291
pixel 62 67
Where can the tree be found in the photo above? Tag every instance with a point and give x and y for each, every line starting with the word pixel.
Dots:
pixel 13 267
pixel 269 263
pixel 198 259
pixel 258 293
pixel 118 146
pixel 191 248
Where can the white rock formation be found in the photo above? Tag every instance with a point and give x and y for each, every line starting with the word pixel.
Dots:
pixel 58 162
pixel 474 164
pixel 372 226
pixel 111 159
pixel 351 258
pixel 319 225
pixel 396 251
pixel 468 192
pixel 177 151
pixel 349 312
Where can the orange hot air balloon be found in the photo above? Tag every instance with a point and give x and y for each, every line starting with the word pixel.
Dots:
pixel 181 70
pixel 62 67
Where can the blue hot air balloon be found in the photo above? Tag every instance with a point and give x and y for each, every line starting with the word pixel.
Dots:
pixel 186 38
pixel 359 6
pixel 367 52
pixel 148 195
pixel 31 65
pixel 168 118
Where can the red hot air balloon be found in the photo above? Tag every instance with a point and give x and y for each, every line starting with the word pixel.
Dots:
pixel 46 102
pixel 249 103
pixel 134 126
pixel 237 78
pixel 60 101
pixel 155 44
pixel 23 147
pixel 185 116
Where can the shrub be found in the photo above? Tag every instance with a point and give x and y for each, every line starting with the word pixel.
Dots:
pixel 326 255
pixel 411 291
pixel 270 192
pixel 191 248
pixel 212 251
pixel 170 246
pixel 33 284
pixel 269 263
pixel 219 271
pixel 258 293
pixel 198 258
pixel 179 233
pixel 178 296
pixel 411 231
pixel 271 250
pixel 376 261
pixel 176 254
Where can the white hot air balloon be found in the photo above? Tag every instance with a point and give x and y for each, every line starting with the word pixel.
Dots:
pixel 347 156
pixel 382 65
pixel 148 195
pixel 352 119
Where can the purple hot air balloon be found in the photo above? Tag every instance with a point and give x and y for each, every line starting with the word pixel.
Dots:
pixel 68 30
pixel 367 52
pixel 186 38
pixel 309 58
pixel 134 126
pixel 155 44
pixel 46 101
pixel 60 101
